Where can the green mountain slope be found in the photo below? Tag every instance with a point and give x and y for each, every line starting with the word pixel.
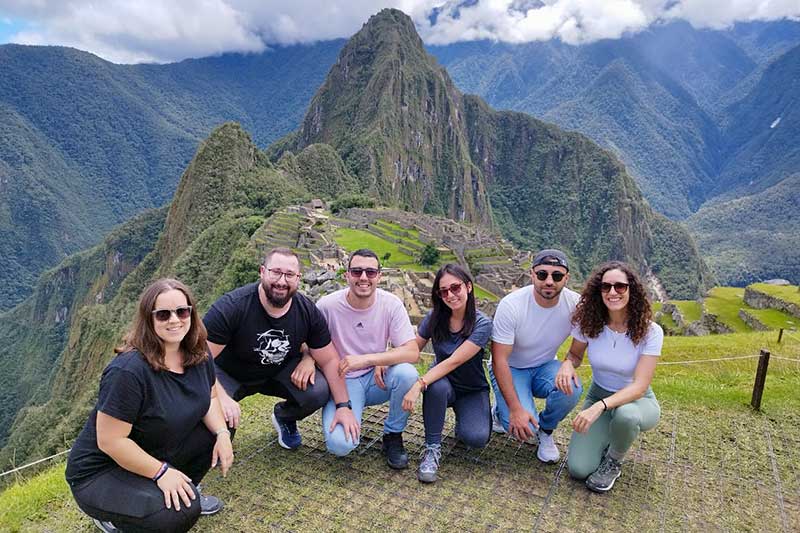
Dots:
pixel 415 141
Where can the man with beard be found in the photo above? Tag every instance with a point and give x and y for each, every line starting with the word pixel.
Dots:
pixel 529 326
pixel 255 334
pixel 363 320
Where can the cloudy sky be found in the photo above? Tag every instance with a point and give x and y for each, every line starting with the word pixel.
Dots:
pixel 133 31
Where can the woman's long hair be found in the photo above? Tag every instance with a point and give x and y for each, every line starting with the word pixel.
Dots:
pixel 142 335
pixel 440 317
pixel 592 314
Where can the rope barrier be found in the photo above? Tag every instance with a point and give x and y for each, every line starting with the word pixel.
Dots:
pixel 709 360
pixel 771 357
pixel 23 467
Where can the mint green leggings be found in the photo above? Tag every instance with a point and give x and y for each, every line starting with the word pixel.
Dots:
pixel 616 429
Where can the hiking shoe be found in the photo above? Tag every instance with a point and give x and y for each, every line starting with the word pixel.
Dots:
pixel 547 451
pixel 602 479
pixel 429 463
pixel 395 452
pixel 497 426
pixel 108 527
pixel 208 504
pixel 288 436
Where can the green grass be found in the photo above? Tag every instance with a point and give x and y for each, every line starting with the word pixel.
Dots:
pixel 34 498
pixel 480 292
pixel 690 309
pixel 399 230
pixel 353 239
pixel 774 319
pixel 787 293
pixel 725 302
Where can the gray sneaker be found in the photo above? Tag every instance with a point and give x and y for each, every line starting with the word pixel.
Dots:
pixel 429 463
pixel 106 527
pixel 208 504
pixel 602 479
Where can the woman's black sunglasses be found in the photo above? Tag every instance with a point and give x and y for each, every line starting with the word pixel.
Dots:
pixel 620 287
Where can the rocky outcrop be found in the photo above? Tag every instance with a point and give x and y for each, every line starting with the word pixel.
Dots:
pixel 752 321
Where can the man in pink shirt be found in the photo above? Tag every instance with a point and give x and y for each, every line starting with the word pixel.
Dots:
pixel 363 320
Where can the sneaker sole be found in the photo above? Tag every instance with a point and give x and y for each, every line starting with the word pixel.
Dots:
pixel 601 490
pixel 547 461
pixel 280 438
pixel 215 511
pixel 401 466
pixel 423 479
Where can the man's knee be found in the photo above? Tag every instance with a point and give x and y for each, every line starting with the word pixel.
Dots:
pixel 338 445
pixel 172 520
pixel 317 395
pixel 403 375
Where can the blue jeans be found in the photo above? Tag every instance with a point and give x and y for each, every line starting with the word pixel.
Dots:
pixel 364 391
pixel 537 382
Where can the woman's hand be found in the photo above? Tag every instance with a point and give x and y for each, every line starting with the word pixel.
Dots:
pixel 222 453
pixel 410 399
pixel 176 486
pixel 584 420
pixel 566 376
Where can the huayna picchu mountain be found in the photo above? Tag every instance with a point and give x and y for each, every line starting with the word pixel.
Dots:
pixel 388 122
pixel 413 140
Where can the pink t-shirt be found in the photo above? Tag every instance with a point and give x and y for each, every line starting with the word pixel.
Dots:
pixel 362 331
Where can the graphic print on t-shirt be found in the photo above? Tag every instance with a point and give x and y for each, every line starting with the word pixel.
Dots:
pixel 273 346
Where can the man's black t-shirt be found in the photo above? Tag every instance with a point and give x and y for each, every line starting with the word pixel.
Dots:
pixel 162 406
pixel 258 346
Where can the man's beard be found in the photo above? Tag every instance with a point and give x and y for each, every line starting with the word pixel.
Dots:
pixel 273 298
pixel 556 292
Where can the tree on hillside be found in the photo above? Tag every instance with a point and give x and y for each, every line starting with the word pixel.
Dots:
pixel 429 255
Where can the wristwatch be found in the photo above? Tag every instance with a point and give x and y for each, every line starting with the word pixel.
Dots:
pixel 345 404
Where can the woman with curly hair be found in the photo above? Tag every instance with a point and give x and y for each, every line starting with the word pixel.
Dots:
pixel 459 333
pixel 612 323
pixel 157 426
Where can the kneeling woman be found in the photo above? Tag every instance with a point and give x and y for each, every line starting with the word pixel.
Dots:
pixel 157 427
pixel 456 379
pixel 612 320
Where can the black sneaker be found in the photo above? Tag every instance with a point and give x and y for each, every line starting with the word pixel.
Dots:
pixel 396 456
pixel 107 527
pixel 288 436
pixel 602 479
pixel 208 504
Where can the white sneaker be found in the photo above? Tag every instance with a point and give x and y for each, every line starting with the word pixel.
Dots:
pixel 547 451
pixel 497 426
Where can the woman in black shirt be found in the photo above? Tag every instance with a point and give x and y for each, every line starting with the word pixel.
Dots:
pixel 157 427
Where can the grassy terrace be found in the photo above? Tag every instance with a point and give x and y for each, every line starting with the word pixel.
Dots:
pixel 711 464
pixel 690 309
pixel 787 293
pixel 725 302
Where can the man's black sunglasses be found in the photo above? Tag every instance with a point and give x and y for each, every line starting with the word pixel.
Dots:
pixel 370 272
pixel 541 275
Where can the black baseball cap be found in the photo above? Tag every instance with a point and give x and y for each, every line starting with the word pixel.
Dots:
pixel 552 257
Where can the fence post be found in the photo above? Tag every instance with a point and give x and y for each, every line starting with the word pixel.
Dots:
pixel 761 376
pixel 780 335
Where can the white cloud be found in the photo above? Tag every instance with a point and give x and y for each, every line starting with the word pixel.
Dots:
pixel 150 30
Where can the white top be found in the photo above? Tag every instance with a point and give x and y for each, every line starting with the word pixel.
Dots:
pixel 613 356
pixel 536 332
pixel 361 331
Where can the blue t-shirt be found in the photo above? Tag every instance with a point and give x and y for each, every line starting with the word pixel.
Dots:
pixel 470 375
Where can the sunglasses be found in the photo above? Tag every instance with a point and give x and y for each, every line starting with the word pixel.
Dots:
pixel 455 288
pixel 162 315
pixel 370 272
pixel 620 287
pixel 541 275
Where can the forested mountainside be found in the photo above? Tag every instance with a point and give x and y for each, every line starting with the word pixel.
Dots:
pixel 218 221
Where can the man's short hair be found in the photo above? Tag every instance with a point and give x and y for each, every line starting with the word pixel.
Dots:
pixel 363 252
pixel 551 257
pixel 280 250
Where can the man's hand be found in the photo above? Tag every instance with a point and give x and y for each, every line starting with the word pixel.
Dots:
pixel 304 373
pixel 584 420
pixel 351 363
pixel 345 417
pixel 566 377
pixel 222 453
pixel 519 424
pixel 230 409
pixel 380 372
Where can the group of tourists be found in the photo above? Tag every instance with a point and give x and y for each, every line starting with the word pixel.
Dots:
pixel 167 412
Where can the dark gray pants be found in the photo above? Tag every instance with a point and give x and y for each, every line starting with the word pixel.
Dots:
pixel 473 413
